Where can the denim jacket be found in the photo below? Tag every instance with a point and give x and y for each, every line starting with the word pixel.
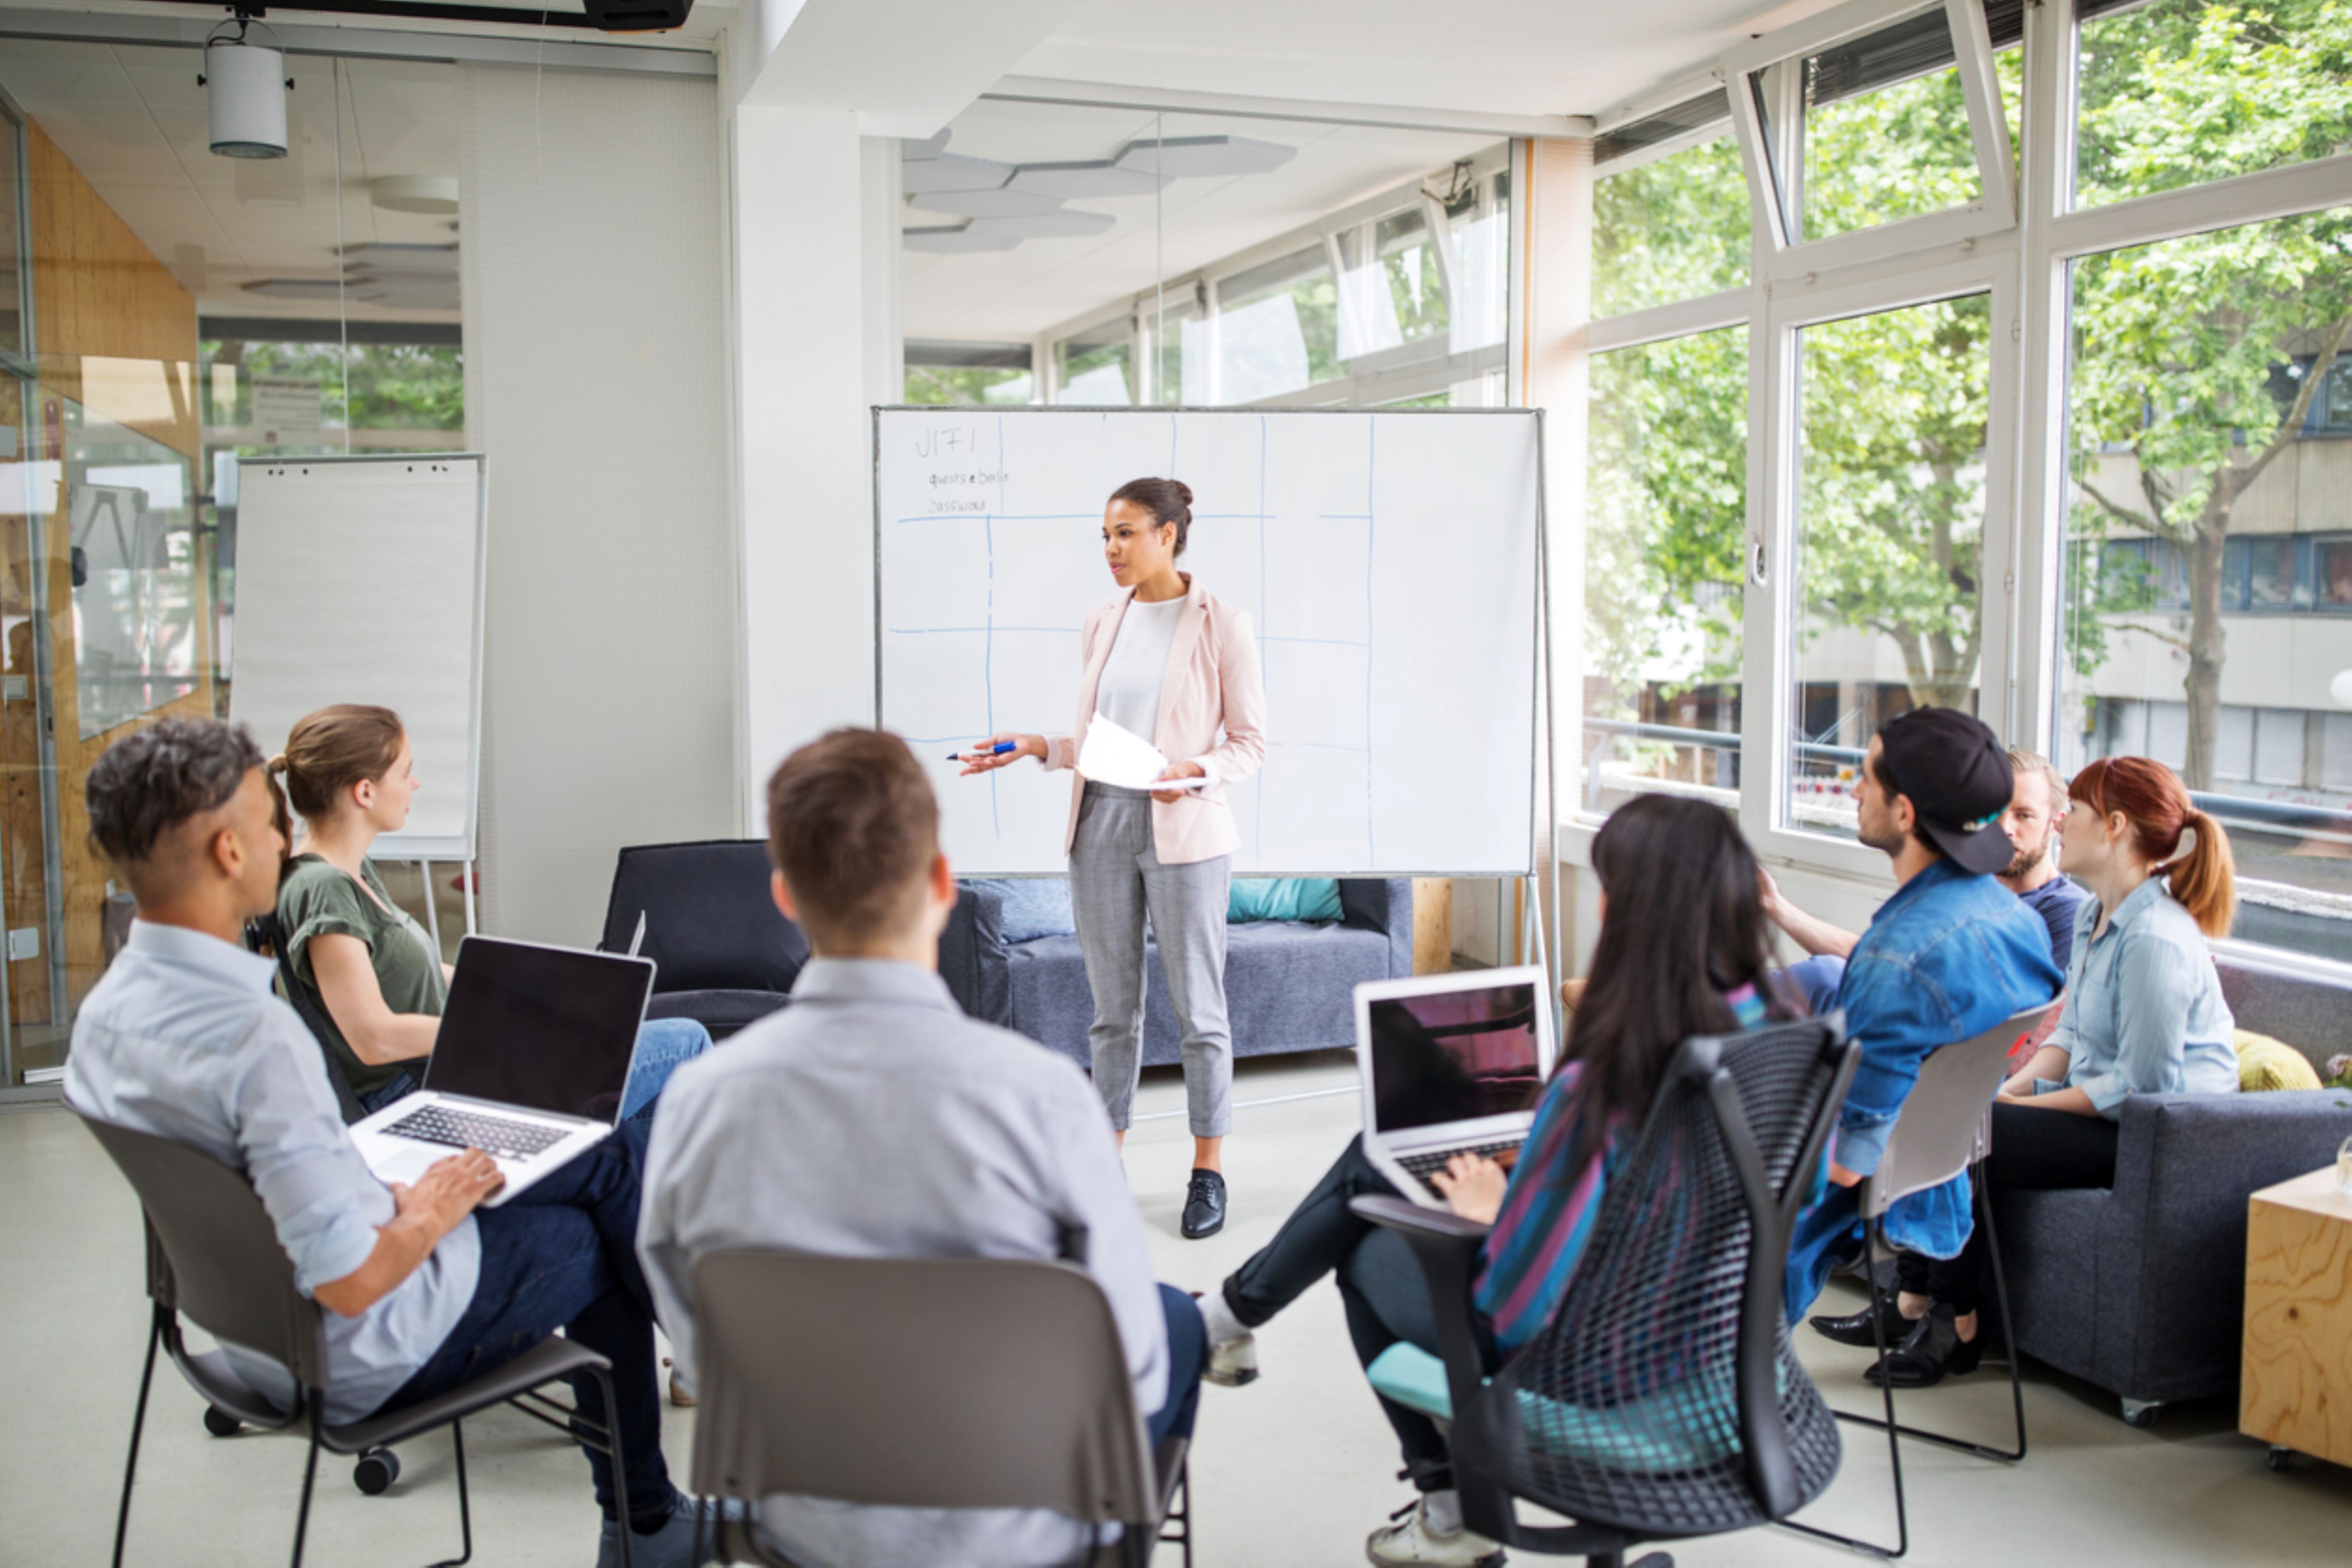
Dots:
pixel 1946 957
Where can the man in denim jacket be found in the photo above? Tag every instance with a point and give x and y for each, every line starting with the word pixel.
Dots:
pixel 1949 954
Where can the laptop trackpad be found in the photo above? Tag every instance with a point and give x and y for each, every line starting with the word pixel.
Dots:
pixel 398 1160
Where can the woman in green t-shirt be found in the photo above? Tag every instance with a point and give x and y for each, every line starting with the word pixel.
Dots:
pixel 373 973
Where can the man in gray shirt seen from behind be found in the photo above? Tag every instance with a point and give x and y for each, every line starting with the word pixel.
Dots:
pixel 871 1118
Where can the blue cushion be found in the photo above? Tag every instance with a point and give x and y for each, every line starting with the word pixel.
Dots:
pixel 1282 898
pixel 1033 906
pixel 1654 1435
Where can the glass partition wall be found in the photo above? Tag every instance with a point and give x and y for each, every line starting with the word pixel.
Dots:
pixel 166 313
pixel 1994 356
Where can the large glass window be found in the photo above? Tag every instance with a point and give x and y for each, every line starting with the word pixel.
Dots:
pixel 1885 131
pixel 1666 521
pixel 1888 594
pixel 2177 92
pixel 1277 328
pixel 12 236
pixel 1674 228
pixel 2197 476
pixel 969 373
pixel 1092 365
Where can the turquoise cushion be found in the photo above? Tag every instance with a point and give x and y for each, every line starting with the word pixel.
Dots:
pixel 1282 898
pixel 1646 1437
pixel 1033 906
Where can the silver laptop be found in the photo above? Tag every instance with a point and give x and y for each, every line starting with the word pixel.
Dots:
pixel 1451 1063
pixel 531 1065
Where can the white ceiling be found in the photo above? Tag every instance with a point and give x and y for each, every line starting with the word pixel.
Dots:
pixel 132 121
pixel 1020 293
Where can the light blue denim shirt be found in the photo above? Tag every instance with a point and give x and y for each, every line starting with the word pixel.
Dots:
pixel 181 1037
pixel 2144 1009
pixel 1946 957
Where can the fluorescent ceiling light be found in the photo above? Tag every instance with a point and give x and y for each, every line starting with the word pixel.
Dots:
pixel 432 193
pixel 949 241
pixel 1100 178
pixel 952 171
pixel 986 204
pixel 1184 157
pixel 914 152
pixel 296 288
pixel 376 256
pixel 1063 223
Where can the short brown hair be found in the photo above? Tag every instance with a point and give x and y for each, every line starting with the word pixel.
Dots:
pixel 334 749
pixel 2021 761
pixel 854 827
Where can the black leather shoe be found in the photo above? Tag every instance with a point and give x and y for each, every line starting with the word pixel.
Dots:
pixel 1204 1205
pixel 1855 1329
pixel 1931 1352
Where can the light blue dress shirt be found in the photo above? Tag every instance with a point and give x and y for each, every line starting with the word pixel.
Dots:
pixel 2143 1009
pixel 182 1037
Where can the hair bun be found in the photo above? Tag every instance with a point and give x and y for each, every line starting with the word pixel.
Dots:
pixel 275 765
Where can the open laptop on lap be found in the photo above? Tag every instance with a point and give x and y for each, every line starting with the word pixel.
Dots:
pixel 529 1066
pixel 1451 1063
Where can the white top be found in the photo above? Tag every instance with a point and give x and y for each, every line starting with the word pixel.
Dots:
pixel 181 1037
pixel 1129 693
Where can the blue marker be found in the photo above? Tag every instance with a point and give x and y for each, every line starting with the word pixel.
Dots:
pixel 997 750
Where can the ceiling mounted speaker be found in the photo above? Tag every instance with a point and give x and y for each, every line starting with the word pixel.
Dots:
pixel 1100 178
pixel 1188 157
pixel 952 241
pixel 1062 223
pixel 985 203
pixel 244 86
pixel 637 15
pixel 952 171
pixel 435 194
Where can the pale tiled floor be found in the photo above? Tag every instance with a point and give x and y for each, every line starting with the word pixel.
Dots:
pixel 1292 1470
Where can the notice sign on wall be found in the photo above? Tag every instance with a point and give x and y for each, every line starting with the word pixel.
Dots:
pixel 286 410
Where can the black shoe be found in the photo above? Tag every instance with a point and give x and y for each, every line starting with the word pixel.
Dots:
pixel 1857 1330
pixel 1204 1205
pixel 1931 1352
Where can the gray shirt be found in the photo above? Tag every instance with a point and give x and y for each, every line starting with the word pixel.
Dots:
pixel 871 1118
pixel 2144 1009
pixel 182 1037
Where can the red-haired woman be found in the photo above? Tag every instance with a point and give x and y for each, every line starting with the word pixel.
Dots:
pixel 2143 1015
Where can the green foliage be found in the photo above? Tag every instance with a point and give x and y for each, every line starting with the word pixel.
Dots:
pixel 393 387
pixel 1673 229
pixel 966 383
pixel 1900 152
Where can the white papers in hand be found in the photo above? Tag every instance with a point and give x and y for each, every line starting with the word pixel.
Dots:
pixel 1115 755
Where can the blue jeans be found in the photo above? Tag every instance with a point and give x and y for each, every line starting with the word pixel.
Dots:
pixel 1817 980
pixel 1188 1355
pixel 563 1256
pixel 662 1044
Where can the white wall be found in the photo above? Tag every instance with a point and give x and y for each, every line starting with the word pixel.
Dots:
pixel 596 382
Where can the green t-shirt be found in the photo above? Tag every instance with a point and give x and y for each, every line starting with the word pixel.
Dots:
pixel 320 900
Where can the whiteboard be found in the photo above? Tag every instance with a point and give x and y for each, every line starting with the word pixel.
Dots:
pixel 1388 565
pixel 360 580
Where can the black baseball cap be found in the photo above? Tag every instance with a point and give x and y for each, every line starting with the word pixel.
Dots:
pixel 1958 781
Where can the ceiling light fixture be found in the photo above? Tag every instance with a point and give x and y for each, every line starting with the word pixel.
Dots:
pixel 1186 157
pixel 433 194
pixel 956 240
pixel 244 86
pixel 1006 202
pixel 1063 223
pixel 1099 178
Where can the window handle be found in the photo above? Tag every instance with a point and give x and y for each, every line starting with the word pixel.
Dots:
pixel 1756 562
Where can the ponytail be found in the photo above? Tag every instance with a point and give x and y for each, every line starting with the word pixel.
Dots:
pixel 2205 880
pixel 334 749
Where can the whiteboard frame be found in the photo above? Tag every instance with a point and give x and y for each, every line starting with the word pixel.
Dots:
pixel 1539 691
pixel 393 845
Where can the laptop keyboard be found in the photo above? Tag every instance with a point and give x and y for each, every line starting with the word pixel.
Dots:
pixel 494 1135
pixel 1421 1165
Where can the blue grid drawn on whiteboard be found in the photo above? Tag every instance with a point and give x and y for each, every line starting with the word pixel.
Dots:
pixel 988 631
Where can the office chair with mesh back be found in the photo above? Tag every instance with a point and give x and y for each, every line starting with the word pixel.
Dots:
pixel 213 1258
pixel 1944 1128
pixel 1663 1400
pixel 924 1383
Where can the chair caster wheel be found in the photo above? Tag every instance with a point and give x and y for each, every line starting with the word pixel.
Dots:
pixel 2279 1458
pixel 2141 1413
pixel 376 1470
pixel 220 1423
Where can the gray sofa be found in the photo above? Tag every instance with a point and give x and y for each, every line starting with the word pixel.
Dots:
pixel 1289 985
pixel 2141 1290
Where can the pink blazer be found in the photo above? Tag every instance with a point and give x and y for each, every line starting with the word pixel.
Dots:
pixel 1212 711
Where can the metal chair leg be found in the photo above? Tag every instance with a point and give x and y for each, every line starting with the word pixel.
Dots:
pixel 465 1506
pixel 2007 1325
pixel 620 1470
pixel 138 1425
pixel 310 1475
pixel 1895 1431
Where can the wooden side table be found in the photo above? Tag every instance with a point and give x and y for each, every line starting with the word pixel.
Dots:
pixel 2295 1390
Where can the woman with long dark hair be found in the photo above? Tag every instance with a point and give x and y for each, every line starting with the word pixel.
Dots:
pixel 1684 949
pixel 2144 1015
pixel 1167 660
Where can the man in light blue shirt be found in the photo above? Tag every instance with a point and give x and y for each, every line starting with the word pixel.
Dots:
pixel 871 1118
pixel 182 1037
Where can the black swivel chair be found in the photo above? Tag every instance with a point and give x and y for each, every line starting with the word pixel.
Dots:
pixel 1663 1402
pixel 213 1257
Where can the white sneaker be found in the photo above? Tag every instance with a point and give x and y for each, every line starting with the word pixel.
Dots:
pixel 1411 1540
pixel 1232 1364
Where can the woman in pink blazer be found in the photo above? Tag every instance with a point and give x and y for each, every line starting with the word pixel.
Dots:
pixel 1171 662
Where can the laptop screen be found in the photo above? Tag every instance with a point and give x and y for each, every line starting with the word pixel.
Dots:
pixel 1453 1055
pixel 547 1028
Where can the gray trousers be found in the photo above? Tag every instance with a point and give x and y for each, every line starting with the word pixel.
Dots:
pixel 1115 879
